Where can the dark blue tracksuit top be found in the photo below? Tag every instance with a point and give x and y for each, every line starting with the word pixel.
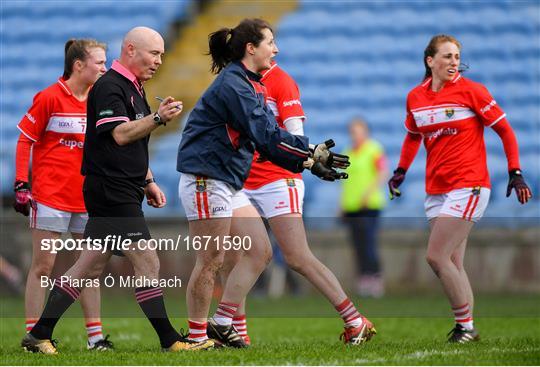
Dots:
pixel 228 123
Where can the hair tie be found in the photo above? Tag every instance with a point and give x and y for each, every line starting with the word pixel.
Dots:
pixel 229 35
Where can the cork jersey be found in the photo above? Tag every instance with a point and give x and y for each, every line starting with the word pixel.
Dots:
pixel 284 100
pixel 452 123
pixel 56 123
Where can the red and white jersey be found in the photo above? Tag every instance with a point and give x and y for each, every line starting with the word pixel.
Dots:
pixel 284 100
pixel 452 122
pixel 56 123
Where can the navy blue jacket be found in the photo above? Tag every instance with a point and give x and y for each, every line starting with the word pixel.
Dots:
pixel 228 123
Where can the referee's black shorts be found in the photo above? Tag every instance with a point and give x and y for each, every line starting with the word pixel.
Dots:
pixel 114 208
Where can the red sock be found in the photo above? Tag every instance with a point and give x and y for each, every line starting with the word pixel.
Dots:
pixel 94 331
pixel 240 324
pixel 30 324
pixel 225 312
pixel 463 316
pixel 349 314
pixel 197 330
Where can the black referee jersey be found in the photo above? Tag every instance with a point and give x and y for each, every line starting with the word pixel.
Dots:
pixel 115 99
pixel 114 184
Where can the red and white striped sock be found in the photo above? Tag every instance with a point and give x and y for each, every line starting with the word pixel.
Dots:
pixel 197 330
pixel 349 314
pixel 225 312
pixel 30 324
pixel 94 331
pixel 240 324
pixel 463 316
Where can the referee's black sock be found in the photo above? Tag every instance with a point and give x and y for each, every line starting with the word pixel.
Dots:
pixel 151 301
pixel 61 297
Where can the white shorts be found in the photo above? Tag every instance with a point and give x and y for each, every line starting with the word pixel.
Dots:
pixel 469 203
pixel 55 220
pixel 205 198
pixel 285 196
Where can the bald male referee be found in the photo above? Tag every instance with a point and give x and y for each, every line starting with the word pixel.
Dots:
pixel 117 177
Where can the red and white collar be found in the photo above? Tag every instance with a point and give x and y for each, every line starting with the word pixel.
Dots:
pixel 456 77
pixel 64 86
pixel 267 71
pixel 427 82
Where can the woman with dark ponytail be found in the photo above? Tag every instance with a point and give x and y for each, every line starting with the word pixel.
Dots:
pixel 219 49
pixel 228 123
pixel 449 113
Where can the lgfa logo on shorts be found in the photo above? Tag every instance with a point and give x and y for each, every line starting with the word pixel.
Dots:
pixel 217 209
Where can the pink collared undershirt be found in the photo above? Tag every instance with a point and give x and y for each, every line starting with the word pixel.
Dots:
pixel 121 69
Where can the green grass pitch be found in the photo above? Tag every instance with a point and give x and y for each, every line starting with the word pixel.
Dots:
pixel 302 331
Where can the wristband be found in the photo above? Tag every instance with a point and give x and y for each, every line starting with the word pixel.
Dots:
pixel 21 185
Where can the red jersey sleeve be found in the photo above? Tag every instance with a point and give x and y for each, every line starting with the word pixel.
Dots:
pixel 510 144
pixel 35 121
pixel 410 147
pixel 288 100
pixel 22 158
pixel 485 106
pixel 410 124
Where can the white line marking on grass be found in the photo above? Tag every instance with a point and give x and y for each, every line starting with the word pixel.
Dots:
pixel 422 354
pixel 126 336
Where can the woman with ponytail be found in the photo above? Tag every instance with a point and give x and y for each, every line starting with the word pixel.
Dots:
pixel 228 123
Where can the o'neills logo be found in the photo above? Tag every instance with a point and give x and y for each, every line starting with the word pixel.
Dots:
pixel 449 112
pixel 30 117
pixel 281 205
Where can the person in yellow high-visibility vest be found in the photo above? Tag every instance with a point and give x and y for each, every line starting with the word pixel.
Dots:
pixel 362 200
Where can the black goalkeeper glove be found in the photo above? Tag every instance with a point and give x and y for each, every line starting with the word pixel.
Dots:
pixel 396 180
pixel 517 182
pixel 322 153
pixel 326 173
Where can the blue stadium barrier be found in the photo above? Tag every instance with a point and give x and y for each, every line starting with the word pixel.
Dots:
pixel 33 38
pixel 361 58
pixel 349 58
